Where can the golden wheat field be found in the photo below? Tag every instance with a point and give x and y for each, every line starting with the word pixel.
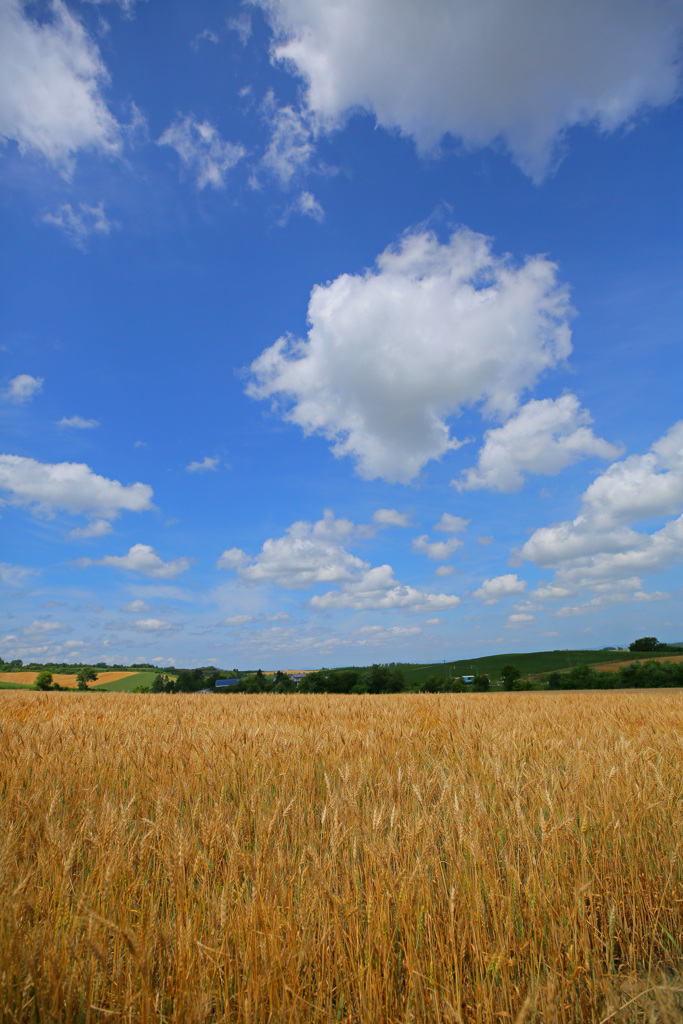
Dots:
pixel 412 858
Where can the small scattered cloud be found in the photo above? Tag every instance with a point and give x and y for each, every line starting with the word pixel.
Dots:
pixel 206 36
pixel 206 465
pixel 233 558
pixel 238 620
pixel 308 553
pixel 78 423
pixel 444 570
pixel 23 387
pixel 51 101
pixel 79 224
pixel 155 626
pixel 291 145
pixel 601 545
pixel 241 24
pixel 305 204
pixel 452 524
pixel 41 627
pixel 142 558
pixel 97 528
pixel 390 517
pixel 16 575
pixel 70 487
pixel 378 589
pixel 201 150
pixel 485 541
pixel 137 607
pixel 439 550
pixel 543 438
pixel 494 590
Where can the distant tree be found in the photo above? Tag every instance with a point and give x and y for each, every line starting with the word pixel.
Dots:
pixel 509 674
pixel 44 680
pixel 159 683
pixel 554 681
pixel 481 683
pixel 84 676
pixel 645 643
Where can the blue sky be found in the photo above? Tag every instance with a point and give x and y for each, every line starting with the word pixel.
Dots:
pixel 339 332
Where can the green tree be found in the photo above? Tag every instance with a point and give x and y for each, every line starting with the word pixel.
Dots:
pixel 84 676
pixel 509 674
pixel 159 683
pixel 44 680
pixel 481 683
pixel 645 643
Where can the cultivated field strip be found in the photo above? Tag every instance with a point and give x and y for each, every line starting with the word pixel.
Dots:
pixel 492 857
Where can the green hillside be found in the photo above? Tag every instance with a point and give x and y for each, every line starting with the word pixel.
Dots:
pixel 128 684
pixel 535 663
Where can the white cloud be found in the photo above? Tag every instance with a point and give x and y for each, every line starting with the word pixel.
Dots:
pixel 305 204
pixel 452 524
pixel 155 626
pixel 205 465
pixel 291 146
pixel 600 545
pixel 51 75
pixel 238 620
pixel 390 517
pixel 610 593
pixel 15 575
pixel 142 558
pixel 136 607
pixel 206 35
pixel 377 589
pixel 485 541
pixel 79 224
pixel 393 352
pixel 439 550
pixel 518 618
pixel 70 487
pixel 494 590
pixel 41 627
pixel 308 553
pixel 522 72
pixel 97 528
pixel 233 558
pixel 23 387
pixel 78 423
pixel 444 570
pixel 125 5
pixel 241 24
pixel 600 538
pixel 201 150
pixel 308 206
pixel 543 437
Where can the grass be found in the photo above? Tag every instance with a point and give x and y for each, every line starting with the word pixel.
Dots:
pixel 534 663
pixel 410 858
pixel 126 685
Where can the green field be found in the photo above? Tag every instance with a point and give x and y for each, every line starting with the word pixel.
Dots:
pixel 14 686
pixel 128 684
pixel 533 664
